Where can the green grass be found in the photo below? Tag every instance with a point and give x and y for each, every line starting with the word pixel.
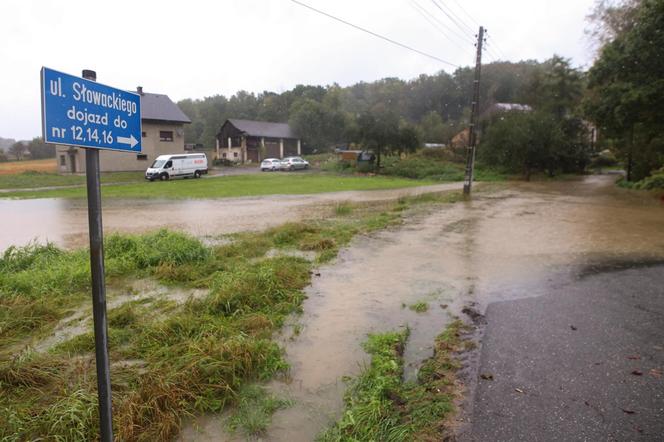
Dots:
pixel 343 209
pixel 233 186
pixel 254 410
pixel 29 179
pixel 380 406
pixel 434 167
pixel 419 307
pixel 189 358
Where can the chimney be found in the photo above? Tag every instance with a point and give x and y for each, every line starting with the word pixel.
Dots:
pixel 139 89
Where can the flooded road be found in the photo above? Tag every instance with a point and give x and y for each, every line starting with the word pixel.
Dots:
pixel 65 221
pixel 514 242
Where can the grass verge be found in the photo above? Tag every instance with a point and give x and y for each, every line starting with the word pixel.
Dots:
pixel 169 359
pixel 381 407
pixel 233 186
pixel 32 179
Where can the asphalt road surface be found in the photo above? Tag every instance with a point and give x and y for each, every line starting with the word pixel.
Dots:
pixel 584 362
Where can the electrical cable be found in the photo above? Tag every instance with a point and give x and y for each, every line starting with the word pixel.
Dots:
pixel 424 13
pixel 394 42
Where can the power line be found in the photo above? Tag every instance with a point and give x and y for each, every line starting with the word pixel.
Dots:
pixel 452 18
pixel 394 42
pixel 466 12
pixel 461 36
pixel 438 26
pixel 432 23
pixel 498 48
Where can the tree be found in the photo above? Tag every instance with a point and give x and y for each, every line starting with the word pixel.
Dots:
pixel 626 89
pixel 18 150
pixel 556 88
pixel 378 131
pixel 610 20
pixel 38 149
pixel 317 124
pixel 524 142
pixel 433 129
pixel 409 140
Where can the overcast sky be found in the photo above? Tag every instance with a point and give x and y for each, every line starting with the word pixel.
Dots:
pixel 193 49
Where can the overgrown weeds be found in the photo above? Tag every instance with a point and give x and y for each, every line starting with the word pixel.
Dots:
pixel 380 406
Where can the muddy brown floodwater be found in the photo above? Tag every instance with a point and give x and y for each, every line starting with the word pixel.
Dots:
pixel 65 221
pixel 513 242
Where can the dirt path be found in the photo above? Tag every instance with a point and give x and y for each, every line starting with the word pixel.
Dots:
pixel 516 243
pixel 65 221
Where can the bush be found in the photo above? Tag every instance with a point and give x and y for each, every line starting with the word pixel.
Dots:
pixel 655 181
pixel 223 162
pixel 421 167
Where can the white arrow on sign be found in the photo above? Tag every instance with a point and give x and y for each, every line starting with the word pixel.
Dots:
pixel 131 140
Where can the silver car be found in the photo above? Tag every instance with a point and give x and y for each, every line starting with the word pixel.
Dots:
pixel 293 163
pixel 270 164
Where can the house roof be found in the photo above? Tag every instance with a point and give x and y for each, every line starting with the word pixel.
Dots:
pixel 160 107
pixel 263 128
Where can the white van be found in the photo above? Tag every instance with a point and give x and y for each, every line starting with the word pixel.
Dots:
pixel 177 166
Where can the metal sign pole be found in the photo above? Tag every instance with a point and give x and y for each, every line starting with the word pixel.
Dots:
pixel 98 288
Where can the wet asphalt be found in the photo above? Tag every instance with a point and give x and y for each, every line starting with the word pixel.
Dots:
pixel 583 362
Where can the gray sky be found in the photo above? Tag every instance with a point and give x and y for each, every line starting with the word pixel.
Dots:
pixel 193 49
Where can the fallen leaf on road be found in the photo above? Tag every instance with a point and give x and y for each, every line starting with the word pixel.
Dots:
pixel 572 327
pixel 518 390
pixel 634 357
pixel 655 372
pixel 487 376
pixel 628 411
pixel 637 372
pixel 443 305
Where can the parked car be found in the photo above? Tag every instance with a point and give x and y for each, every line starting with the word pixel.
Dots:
pixel 177 166
pixel 270 164
pixel 293 163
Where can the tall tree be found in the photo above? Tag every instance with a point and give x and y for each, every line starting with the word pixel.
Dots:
pixel 626 90
pixel 18 150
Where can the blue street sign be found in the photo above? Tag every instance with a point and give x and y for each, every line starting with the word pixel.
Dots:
pixel 83 113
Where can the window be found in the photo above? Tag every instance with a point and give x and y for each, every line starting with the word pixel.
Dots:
pixel 165 135
pixel 144 134
pixel 235 154
pixel 63 160
pixel 141 157
pixel 168 165
pixel 223 155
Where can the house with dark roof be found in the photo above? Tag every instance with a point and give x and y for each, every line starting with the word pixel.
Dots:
pixel 252 141
pixel 162 124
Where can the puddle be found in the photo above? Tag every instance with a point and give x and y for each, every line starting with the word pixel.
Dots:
pixel 502 245
pixel 65 221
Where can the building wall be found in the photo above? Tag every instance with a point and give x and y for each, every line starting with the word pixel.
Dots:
pixel 112 161
pixel 233 154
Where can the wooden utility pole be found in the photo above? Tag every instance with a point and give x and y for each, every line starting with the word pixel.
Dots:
pixel 474 111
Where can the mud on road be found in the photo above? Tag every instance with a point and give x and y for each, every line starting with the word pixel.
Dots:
pixel 516 241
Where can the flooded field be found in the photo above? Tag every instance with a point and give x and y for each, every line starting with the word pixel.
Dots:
pixel 512 242
pixel 65 221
